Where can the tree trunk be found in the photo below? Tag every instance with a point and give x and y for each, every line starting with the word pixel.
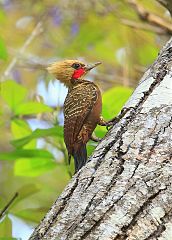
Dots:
pixel 124 191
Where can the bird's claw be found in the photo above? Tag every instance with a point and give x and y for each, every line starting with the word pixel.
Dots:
pixel 115 120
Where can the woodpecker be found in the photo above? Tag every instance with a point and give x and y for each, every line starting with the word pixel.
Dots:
pixel 82 107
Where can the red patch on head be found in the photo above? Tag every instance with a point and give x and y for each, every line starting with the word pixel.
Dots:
pixel 78 73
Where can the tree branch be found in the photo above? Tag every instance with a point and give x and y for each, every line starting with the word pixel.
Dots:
pixel 8 205
pixel 146 27
pixel 151 18
pixel 36 31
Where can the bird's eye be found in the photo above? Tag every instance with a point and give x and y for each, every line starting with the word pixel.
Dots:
pixel 76 65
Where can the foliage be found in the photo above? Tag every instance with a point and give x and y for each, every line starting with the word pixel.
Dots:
pixel 14 95
pixel 6 228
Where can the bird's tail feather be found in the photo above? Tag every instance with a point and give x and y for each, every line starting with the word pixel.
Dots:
pixel 80 157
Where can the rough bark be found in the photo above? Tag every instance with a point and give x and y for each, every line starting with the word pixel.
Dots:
pixel 125 190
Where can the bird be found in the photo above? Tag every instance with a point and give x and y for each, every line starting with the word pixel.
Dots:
pixel 82 107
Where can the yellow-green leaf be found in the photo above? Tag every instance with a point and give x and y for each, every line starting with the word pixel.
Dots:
pixel 5 228
pixel 33 167
pixel 32 108
pixel 39 133
pixel 12 93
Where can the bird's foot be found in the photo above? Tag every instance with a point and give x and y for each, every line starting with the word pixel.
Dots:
pixel 109 124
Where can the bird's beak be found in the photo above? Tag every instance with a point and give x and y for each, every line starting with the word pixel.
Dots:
pixel 91 66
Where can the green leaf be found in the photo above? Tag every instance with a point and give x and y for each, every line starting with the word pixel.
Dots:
pixel 26 153
pixel 27 190
pixel 100 131
pixel 19 129
pixel 3 50
pixel 5 228
pixel 90 147
pixel 30 162
pixel 24 192
pixel 39 133
pixel 33 167
pixel 113 101
pixel 32 214
pixel 12 93
pixel 32 108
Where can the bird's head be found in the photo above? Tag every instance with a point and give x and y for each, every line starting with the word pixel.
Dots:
pixel 69 71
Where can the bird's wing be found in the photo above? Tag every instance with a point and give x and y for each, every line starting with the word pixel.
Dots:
pixel 78 104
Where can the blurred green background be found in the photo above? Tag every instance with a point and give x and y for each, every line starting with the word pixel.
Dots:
pixel 33 158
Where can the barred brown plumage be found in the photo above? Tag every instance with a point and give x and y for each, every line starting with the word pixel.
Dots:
pixel 82 107
pixel 80 120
